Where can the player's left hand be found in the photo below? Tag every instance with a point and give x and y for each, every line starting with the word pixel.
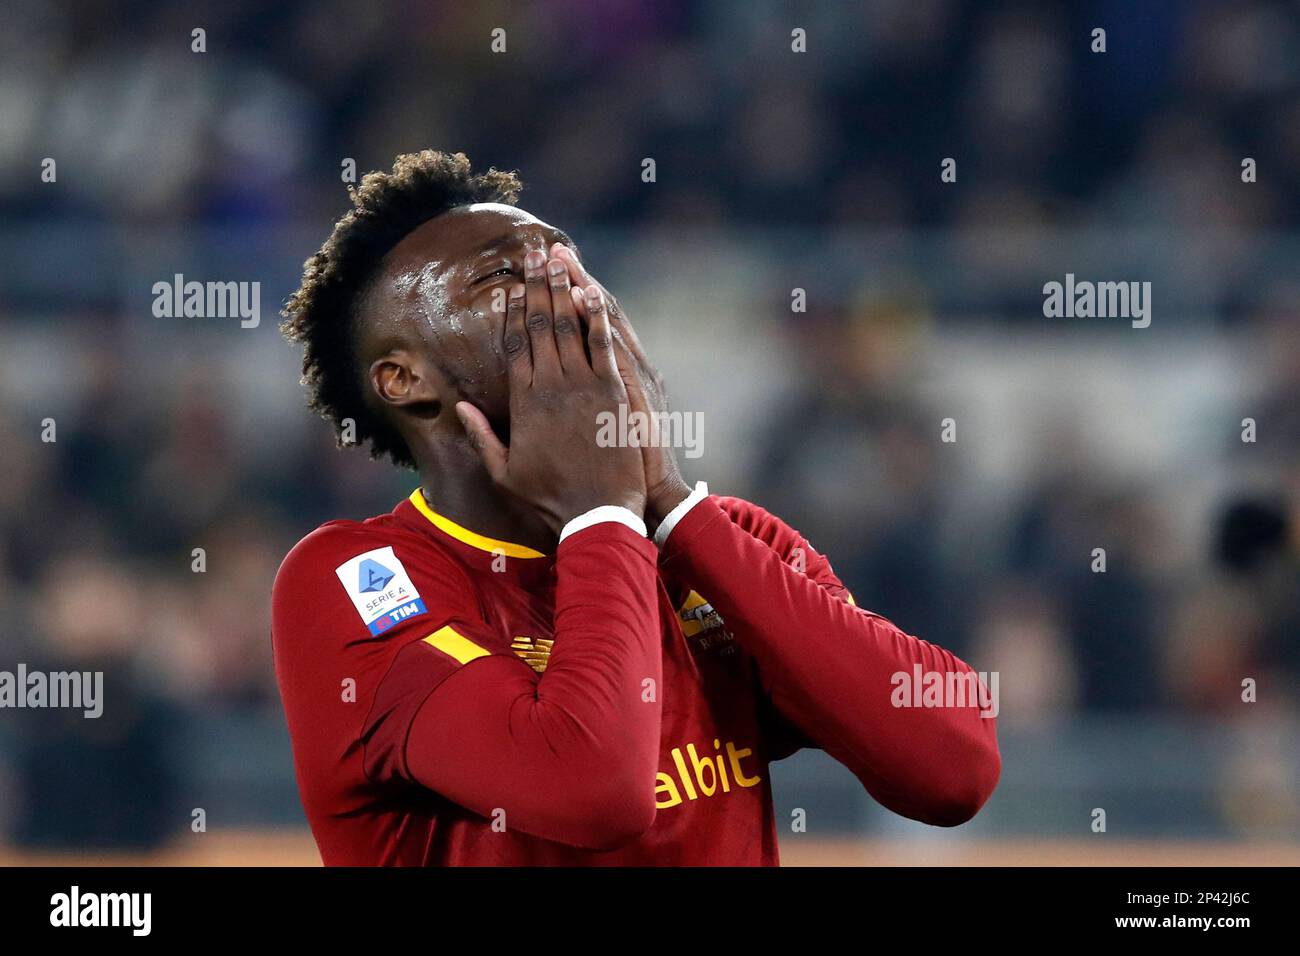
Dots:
pixel 665 486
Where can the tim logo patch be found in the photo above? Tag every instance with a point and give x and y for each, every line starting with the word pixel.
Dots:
pixel 380 589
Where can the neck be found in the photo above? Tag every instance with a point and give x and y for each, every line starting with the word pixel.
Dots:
pixel 456 484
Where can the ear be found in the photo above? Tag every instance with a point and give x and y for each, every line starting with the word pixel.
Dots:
pixel 401 379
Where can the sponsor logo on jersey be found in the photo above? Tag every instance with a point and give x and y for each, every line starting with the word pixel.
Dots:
pixel 705 775
pixel 535 652
pixel 380 589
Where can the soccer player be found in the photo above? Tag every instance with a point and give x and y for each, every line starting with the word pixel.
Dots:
pixel 556 651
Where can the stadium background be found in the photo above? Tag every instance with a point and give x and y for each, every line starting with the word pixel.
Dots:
pixel 775 170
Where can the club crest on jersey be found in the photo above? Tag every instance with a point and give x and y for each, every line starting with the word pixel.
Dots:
pixel 380 589
pixel 702 623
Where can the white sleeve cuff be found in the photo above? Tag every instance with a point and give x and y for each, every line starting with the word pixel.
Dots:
pixel 677 514
pixel 601 514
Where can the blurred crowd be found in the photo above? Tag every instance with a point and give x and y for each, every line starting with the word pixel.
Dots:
pixel 742 130
pixel 98 529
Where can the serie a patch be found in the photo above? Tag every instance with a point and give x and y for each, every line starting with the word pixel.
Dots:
pixel 380 589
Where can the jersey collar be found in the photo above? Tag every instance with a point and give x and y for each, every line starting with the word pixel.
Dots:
pixel 472 538
pixel 516 562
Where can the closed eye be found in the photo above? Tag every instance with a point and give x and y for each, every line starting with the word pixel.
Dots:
pixel 503 271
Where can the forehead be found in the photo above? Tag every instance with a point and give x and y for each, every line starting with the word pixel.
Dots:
pixel 468 232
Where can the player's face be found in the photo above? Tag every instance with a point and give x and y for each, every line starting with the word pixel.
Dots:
pixel 448 281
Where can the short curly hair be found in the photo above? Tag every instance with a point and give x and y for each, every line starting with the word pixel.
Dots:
pixel 323 313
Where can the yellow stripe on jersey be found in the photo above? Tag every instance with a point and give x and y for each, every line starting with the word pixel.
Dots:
pixel 454 645
pixel 471 538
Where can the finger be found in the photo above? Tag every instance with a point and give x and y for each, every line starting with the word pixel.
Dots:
pixel 600 339
pixel 577 294
pixel 514 342
pixel 580 281
pixel 578 274
pixel 628 368
pixel 484 440
pixel 568 336
pixel 579 303
pixel 632 353
pixel 634 377
pixel 538 321
pixel 579 277
pixel 623 326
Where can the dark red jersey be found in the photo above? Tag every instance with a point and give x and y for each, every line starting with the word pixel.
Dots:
pixel 457 700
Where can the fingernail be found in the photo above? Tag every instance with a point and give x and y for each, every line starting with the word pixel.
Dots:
pixel 557 267
pixel 593 295
pixel 517 291
pixel 534 261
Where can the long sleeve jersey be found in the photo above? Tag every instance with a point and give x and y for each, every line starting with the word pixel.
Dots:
pixel 454 699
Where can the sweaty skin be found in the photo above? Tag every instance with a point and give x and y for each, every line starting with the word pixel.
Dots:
pixel 438 337
pixel 442 289
pixel 493 352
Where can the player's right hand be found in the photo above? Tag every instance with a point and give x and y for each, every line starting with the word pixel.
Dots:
pixel 557 399
pixel 665 486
